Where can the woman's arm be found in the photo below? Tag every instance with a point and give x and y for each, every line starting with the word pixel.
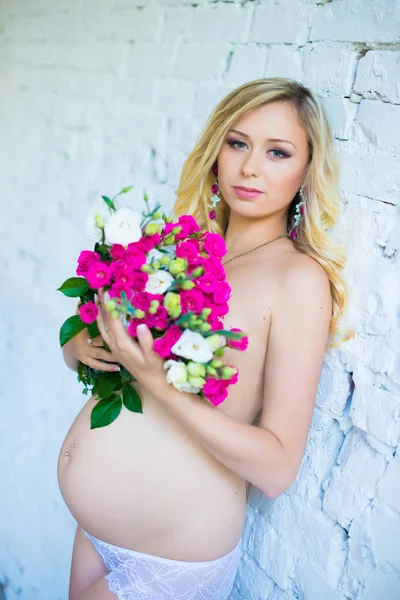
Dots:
pixel 270 456
pixel 253 453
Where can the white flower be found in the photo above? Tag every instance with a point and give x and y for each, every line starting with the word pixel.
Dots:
pixel 177 375
pixel 158 282
pixel 123 227
pixel 193 346
pixel 153 253
pixel 98 212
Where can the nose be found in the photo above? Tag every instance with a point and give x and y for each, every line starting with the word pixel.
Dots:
pixel 251 165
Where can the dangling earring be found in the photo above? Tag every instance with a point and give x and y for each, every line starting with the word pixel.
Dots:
pixel 298 215
pixel 215 190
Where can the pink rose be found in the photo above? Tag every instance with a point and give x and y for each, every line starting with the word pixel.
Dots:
pixel 188 249
pixel 86 259
pixel 117 252
pixel 160 318
pixel 189 224
pixel 88 312
pixel 118 287
pixel 192 301
pixel 122 272
pixel 163 344
pixel 217 310
pixel 98 275
pixel 222 293
pixel 215 390
pixel 169 227
pixel 214 244
pixel 238 344
pixel 213 266
pixel 147 243
pixel 207 283
pixel 196 262
pixel 142 300
pixel 216 325
pixel 134 257
pixel 139 280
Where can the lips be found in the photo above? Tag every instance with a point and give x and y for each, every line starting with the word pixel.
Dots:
pixel 247 189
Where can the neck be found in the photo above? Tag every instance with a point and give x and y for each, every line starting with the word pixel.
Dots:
pixel 243 234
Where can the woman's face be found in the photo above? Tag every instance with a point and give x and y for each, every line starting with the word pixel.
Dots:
pixel 251 156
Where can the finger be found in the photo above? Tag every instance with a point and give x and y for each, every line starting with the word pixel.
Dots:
pixel 102 354
pixel 102 366
pixel 101 323
pixel 98 342
pixel 145 340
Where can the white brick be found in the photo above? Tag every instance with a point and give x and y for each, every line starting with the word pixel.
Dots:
pixel 328 69
pixel 340 113
pixel 283 61
pixel 368 172
pixel 136 24
pixel 378 76
pixel 150 60
pixel 378 123
pixel 389 490
pixel 175 97
pixel 343 498
pixel 248 63
pixel 357 21
pixel 178 24
pixel 376 411
pixel 98 57
pixel 221 21
pixel 199 61
pixel 274 554
pixel 311 585
pixel 281 23
pixel 385 533
pixel 381 584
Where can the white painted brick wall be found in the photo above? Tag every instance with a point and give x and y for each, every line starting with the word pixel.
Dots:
pixel 96 95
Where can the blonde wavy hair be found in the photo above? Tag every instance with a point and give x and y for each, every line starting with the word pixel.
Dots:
pixel 320 183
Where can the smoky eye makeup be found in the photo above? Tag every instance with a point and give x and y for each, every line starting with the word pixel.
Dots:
pixel 234 143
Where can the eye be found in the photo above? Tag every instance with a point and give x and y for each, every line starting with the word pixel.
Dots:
pixel 234 142
pixel 282 154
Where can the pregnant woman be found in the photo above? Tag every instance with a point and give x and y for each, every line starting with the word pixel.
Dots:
pixel 160 497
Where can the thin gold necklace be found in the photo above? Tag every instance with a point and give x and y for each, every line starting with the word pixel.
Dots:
pixel 256 248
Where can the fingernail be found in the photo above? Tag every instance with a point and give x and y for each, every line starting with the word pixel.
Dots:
pixel 142 327
pixel 116 368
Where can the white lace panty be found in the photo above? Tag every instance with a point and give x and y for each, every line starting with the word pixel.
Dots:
pixel 138 576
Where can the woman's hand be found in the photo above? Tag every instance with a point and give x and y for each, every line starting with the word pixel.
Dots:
pixel 139 358
pixel 90 352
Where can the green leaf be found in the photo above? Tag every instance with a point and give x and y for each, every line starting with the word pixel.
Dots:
pixel 131 399
pixel 70 328
pixel 74 287
pixel 232 335
pixel 93 329
pixel 125 373
pixel 105 412
pixel 126 189
pixel 109 202
pixel 106 384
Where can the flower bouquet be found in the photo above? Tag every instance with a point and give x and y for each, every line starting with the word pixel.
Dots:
pixel 167 275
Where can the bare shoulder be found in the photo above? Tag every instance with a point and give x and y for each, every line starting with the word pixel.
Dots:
pixel 303 279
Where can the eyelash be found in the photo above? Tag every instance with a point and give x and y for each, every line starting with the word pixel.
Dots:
pixel 284 155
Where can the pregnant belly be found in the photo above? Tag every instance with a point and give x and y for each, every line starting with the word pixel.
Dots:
pixel 144 483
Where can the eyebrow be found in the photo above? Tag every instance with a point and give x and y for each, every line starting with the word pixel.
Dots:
pixel 268 140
